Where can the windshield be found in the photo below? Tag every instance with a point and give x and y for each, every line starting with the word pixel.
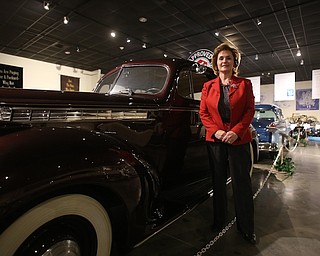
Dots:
pixel 135 79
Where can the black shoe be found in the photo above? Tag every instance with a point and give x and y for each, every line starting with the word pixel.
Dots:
pixel 252 239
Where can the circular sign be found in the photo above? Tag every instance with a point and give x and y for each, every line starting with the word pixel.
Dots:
pixel 202 56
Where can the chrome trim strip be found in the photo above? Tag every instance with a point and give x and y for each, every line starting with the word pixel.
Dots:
pixel 40 114
pixel 36 115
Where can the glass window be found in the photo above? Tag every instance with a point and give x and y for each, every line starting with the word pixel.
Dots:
pixel 140 79
pixel 265 114
pixel 106 83
pixel 184 84
pixel 190 84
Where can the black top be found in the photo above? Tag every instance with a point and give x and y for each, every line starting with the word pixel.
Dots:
pixel 224 103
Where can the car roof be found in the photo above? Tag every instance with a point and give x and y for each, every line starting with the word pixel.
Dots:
pixel 266 106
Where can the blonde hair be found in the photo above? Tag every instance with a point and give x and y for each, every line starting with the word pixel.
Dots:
pixel 236 56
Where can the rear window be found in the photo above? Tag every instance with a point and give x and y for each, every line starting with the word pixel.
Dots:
pixel 265 114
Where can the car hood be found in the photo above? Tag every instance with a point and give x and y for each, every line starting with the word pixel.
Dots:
pixel 28 97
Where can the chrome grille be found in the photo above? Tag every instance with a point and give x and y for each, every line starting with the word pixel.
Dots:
pixel 5 114
pixel 34 115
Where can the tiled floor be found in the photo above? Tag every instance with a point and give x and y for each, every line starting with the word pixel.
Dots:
pixel 287 217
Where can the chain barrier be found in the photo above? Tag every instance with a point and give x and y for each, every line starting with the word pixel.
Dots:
pixel 230 224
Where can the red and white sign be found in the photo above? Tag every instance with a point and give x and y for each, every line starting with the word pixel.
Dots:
pixel 202 56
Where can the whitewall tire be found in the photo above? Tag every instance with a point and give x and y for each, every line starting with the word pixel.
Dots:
pixel 63 212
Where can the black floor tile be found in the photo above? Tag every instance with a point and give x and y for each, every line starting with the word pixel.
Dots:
pixel 287 217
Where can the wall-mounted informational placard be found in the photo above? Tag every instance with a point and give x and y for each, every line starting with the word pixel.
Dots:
pixel 316 84
pixel 11 76
pixel 69 83
pixel 284 86
pixel 256 82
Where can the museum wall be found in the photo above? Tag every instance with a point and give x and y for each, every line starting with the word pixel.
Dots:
pixel 288 107
pixel 43 75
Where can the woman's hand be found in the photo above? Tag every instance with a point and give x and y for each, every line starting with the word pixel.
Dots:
pixel 220 134
pixel 229 137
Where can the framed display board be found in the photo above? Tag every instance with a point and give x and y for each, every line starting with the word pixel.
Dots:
pixel 11 76
pixel 69 83
pixel 304 100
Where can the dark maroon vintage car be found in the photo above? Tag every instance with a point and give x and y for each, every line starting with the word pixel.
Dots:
pixel 94 172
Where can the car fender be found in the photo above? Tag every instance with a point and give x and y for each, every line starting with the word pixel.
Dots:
pixel 43 160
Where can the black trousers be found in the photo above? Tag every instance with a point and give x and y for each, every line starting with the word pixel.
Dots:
pixel 235 160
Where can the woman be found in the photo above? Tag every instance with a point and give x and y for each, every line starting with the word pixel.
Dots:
pixel 226 110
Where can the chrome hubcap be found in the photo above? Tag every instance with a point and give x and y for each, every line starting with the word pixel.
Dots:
pixel 65 248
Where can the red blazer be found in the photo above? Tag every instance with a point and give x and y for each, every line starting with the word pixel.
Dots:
pixel 241 108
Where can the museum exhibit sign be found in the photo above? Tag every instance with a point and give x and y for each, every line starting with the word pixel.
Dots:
pixel 11 76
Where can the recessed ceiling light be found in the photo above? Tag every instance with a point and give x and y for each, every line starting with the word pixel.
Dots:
pixel 65 20
pixel 143 19
pixel 121 48
pixel 259 22
pixel 46 5
pixel 67 52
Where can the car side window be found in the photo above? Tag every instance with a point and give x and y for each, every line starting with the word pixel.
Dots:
pixel 190 84
pixel 184 84
pixel 279 113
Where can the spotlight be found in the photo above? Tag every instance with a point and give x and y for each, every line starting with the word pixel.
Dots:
pixel 298 53
pixel 144 45
pixel 128 40
pixel 113 34
pixel 165 55
pixel 78 49
pixel 46 5
pixel 217 33
pixel 259 22
pixel 121 48
pixel 301 62
pixel 143 19
pixel 256 57
pixel 65 20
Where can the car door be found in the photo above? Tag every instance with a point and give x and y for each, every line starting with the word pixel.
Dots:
pixel 188 157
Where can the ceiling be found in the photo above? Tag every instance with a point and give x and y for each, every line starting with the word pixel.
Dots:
pixel 174 27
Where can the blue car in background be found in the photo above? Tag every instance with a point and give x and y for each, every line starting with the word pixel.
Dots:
pixel 269 115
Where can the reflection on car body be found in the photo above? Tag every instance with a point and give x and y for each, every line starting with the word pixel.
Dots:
pixel 255 144
pixel 114 166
